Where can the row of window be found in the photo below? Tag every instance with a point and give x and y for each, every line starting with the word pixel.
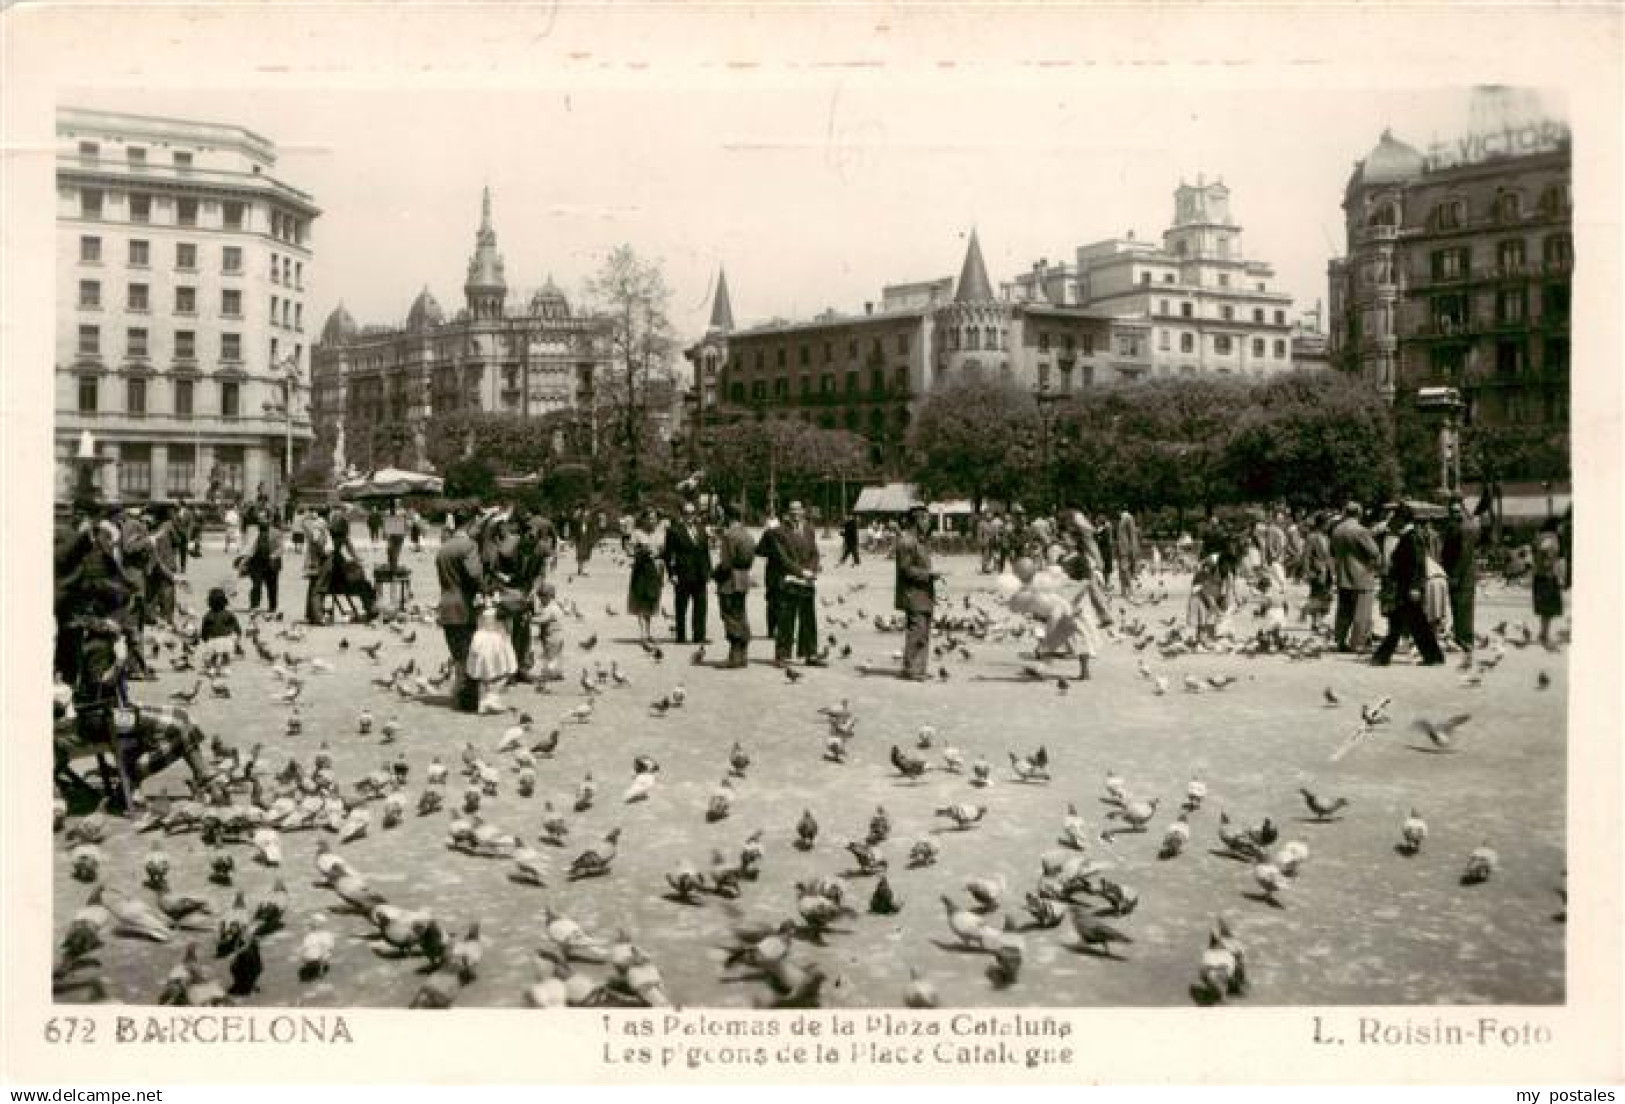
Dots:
pixel 138 297
pixel 1557 252
pixel 1227 312
pixel 93 203
pixel 781 355
pixel 826 385
pixel 135 470
pixel 1223 345
pixel 135 155
pixel 139 255
pixel 1506 206
pixel 183 392
pixel 137 345
pixel 1455 311
pixel 1449 363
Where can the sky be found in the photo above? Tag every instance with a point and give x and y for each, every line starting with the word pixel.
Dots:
pixel 810 198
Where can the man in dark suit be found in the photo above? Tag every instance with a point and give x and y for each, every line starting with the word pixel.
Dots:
pixel 792 557
pixel 1458 555
pixel 1407 577
pixel 735 554
pixel 915 593
pixel 1355 558
pixel 688 562
pixel 462 575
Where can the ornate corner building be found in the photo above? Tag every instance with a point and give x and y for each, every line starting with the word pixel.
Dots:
pixel 377 387
pixel 184 267
pixel 867 373
pixel 1458 275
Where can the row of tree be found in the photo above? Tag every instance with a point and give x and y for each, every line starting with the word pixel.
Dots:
pixel 1186 445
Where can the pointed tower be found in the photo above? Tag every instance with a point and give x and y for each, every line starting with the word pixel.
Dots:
pixel 722 311
pixel 486 286
pixel 973 283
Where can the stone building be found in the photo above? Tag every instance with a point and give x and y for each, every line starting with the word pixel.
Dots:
pixel 1458 273
pixel 184 267
pixel 377 386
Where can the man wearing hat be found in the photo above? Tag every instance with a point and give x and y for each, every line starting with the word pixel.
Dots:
pixel 1407 577
pixel 1355 558
pixel 688 562
pixel 735 554
pixel 792 556
pixel 1458 555
pixel 915 593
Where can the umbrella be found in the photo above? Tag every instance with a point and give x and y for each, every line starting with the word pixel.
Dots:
pixel 391 483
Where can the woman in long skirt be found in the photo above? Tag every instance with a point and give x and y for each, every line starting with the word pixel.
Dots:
pixel 647 545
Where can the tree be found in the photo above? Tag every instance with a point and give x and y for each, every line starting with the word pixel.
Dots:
pixel 781 459
pixel 633 295
pixel 977 437
pixel 470 477
pixel 1309 439
pixel 510 444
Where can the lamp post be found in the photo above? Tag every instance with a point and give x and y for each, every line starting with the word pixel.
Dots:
pixel 1046 410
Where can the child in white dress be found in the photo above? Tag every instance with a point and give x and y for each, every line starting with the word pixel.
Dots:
pixel 491 659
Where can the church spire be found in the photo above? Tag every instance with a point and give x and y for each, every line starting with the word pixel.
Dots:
pixel 722 312
pixel 973 284
pixel 486 286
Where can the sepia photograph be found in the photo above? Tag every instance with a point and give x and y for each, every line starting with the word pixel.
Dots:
pixel 954 551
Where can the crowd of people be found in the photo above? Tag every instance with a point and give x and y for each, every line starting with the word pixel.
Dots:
pixel 117 575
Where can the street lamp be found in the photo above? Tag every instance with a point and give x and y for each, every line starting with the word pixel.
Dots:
pixel 1046 411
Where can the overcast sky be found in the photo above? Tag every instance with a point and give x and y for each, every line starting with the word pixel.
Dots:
pixel 810 199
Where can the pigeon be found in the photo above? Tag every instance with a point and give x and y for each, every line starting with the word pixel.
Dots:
pixel 962 814
pixel 1271 879
pixel 1331 697
pixel 883 901
pixel 1074 833
pixel 1094 936
pixel 586 793
pixel 1480 865
pixel 966 925
pixel 1175 838
pixel 596 861
pixel 246 967
pixel 1135 813
pixel 1322 808
pixel 1543 681
pixel 1195 794
pixel 920 993
pixel 1413 832
pixel 466 954
pixel 806 830
pixel 1376 713
pixel 923 853
pixel 909 766
pixel 1030 768
pixel 315 955
pixel 1442 733
pixel 988 892
pixel 738 760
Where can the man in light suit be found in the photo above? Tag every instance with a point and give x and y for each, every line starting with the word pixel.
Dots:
pixel 462 576
pixel 915 593
pixel 1355 559
pixel 688 562
pixel 1128 550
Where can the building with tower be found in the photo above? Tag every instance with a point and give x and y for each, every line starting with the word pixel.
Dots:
pixel 184 266
pixel 1210 309
pixel 376 387
pixel 1456 282
pixel 868 372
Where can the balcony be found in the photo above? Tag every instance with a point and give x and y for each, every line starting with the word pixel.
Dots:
pixel 1370 234
pixel 1559 266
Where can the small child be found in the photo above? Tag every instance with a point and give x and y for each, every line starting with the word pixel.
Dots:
pixel 491 659
pixel 1068 626
pixel 549 622
pixel 220 632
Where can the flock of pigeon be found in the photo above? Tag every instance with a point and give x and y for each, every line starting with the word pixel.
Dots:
pixel 294 819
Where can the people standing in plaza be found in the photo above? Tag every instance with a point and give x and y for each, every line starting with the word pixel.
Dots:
pixel 263 559
pixel 461 575
pixel 849 542
pixel 736 552
pixel 163 569
pixel 318 553
pixel 1458 555
pixel 221 633
pixel 646 542
pixel 233 522
pixel 915 593
pixel 772 574
pixel 1546 579
pixel 792 555
pixel 549 622
pixel 1407 583
pixel 375 524
pixel 393 526
pixel 1128 551
pixel 181 524
pixel 586 538
pixel 1106 543
pixel 688 559
pixel 1355 558
pixel 1318 570
pixel 346 574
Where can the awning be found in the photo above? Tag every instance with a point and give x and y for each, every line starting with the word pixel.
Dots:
pixel 391 483
pixel 892 498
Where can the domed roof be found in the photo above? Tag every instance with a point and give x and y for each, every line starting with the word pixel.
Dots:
pixel 1391 162
pixel 549 302
pixel 425 312
pixel 339 326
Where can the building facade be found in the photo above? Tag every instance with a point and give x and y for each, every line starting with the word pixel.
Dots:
pixel 184 267
pixel 1210 309
pixel 868 373
pixel 377 386
pixel 1458 272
